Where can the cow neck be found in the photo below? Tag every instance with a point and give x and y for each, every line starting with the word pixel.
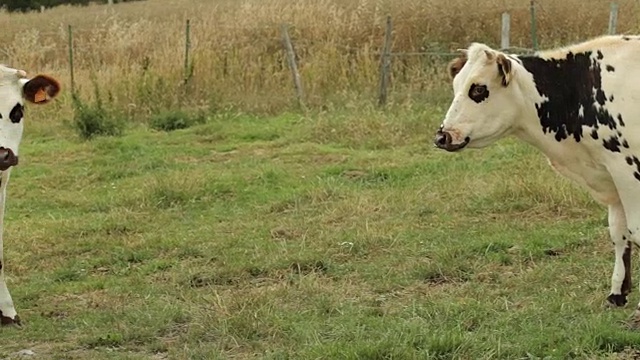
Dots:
pixel 561 98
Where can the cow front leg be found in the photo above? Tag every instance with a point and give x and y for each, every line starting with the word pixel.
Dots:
pixel 8 315
pixel 621 277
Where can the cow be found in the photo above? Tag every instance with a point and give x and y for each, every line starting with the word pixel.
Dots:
pixel 15 89
pixel 580 106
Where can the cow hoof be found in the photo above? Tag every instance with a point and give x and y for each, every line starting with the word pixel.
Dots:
pixel 616 300
pixel 7 321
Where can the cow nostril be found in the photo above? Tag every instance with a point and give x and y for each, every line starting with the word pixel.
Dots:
pixel 444 139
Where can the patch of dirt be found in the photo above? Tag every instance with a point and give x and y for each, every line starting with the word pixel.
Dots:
pixel 439 279
pixel 306 268
pixel 552 252
pixel 366 177
pixel 627 354
pixel 258 276
pixel 281 233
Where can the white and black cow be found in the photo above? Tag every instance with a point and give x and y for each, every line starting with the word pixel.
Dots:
pixel 579 105
pixel 15 89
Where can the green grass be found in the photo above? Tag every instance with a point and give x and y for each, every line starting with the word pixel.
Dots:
pixel 340 235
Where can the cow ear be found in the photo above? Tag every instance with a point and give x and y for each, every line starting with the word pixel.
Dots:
pixel 41 89
pixel 455 65
pixel 504 69
pixel 490 55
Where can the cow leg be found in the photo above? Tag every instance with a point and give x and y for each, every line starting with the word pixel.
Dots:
pixel 8 315
pixel 628 187
pixel 621 278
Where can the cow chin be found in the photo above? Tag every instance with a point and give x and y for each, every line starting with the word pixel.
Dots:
pixel 479 142
pixel 457 147
pixel 450 146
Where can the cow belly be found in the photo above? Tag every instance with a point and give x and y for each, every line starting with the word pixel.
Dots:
pixel 596 180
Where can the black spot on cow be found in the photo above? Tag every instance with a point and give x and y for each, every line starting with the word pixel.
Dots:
pixel 620 121
pixel 611 98
pixel 624 238
pixel 626 259
pixel 600 56
pixel 610 68
pixel 626 38
pixel 633 160
pixel 478 93
pixel 612 144
pixel 629 160
pixel 569 85
pixel 16 113
pixel 625 144
pixel 594 134
pixel 600 97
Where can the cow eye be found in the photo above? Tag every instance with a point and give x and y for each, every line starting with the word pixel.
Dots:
pixel 478 93
pixel 479 90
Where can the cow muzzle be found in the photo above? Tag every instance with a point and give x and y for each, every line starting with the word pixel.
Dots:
pixel 444 140
pixel 7 159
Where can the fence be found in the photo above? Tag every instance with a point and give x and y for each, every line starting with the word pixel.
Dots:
pixel 386 53
pixel 504 45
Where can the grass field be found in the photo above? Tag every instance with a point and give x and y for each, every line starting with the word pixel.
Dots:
pixel 332 236
pixel 260 231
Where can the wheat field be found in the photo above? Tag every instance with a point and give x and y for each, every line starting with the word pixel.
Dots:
pixel 135 51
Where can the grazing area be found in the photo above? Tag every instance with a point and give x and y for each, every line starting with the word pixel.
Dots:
pixel 215 220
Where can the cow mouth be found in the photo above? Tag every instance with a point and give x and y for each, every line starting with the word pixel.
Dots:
pixel 7 158
pixel 444 141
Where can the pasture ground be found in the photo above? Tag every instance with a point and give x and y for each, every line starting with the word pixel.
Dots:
pixel 264 232
pixel 325 236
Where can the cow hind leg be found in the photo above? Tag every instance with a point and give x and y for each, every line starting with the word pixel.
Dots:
pixel 621 277
pixel 629 190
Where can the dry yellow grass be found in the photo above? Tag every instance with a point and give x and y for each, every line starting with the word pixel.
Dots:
pixel 136 49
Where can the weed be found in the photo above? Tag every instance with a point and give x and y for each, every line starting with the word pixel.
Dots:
pixel 174 120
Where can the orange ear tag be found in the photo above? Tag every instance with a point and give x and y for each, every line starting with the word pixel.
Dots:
pixel 40 96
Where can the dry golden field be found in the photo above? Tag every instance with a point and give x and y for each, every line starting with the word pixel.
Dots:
pixel 136 50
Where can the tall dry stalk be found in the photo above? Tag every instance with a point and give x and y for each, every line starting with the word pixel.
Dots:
pixel 136 50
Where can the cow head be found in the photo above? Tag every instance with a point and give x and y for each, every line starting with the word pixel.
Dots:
pixel 485 103
pixel 16 89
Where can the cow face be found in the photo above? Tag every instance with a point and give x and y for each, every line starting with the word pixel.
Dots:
pixel 15 90
pixel 485 105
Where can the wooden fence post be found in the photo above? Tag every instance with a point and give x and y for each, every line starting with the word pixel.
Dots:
pixel 385 64
pixel 187 46
pixel 71 60
pixel 534 36
pixel 613 18
pixel 506 28
pixel 291 58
